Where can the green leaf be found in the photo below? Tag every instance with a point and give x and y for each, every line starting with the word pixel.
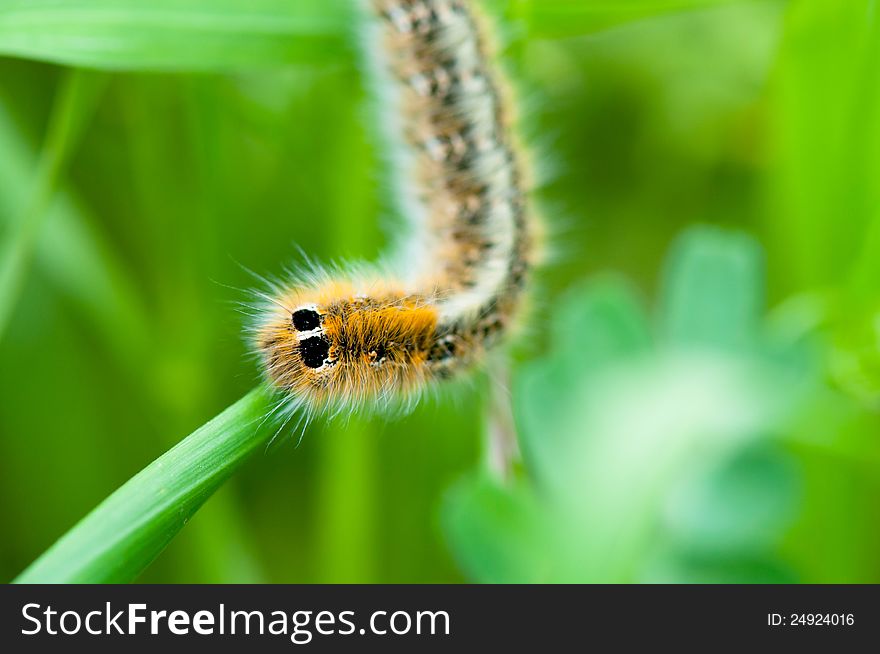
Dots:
pixel 599 325
pixel 610 426
pixel 497 533
pixel 174 34
pixel 712 290
pixel 675 567
pixel 743 506
pixel 116 541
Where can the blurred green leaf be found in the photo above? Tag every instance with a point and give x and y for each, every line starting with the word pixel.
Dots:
pixel 174 34
pixel 745 504
pixel 712 290
pixel 595 326
pixel 116 541
pixel 678 568
pixel 610 439
pixel 496 532
pixel 613 326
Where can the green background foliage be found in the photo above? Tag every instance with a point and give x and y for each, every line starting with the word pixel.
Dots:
pixel 695 392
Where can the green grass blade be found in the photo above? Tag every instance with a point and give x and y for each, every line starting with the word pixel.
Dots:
pixel 562 18
pixel 825 116
pixel 173 34
pixel 120 538
pixel 823 195
pixel 73 254
pixel 76 99
pixel 236 34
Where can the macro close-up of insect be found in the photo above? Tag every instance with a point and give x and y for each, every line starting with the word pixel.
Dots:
pixel 348 340
pixel 439 292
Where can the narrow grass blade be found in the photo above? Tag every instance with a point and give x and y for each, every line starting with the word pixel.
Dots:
pixel 237 34
pixel 73 254
pixel 76 99
pixel 824 120
pixel 173 34
pixel 120 538
pixel 562 18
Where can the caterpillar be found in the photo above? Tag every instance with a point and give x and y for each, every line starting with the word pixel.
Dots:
pixel 333 340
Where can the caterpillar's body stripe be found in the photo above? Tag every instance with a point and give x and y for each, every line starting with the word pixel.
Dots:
pixel 352 339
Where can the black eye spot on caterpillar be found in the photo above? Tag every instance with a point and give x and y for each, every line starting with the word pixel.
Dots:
pixel 314 351
pixel 305 320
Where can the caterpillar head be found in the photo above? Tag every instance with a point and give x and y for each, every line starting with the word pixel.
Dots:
pixel 336 346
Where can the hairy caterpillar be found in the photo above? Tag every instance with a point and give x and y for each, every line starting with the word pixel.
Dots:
pixel 347 340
